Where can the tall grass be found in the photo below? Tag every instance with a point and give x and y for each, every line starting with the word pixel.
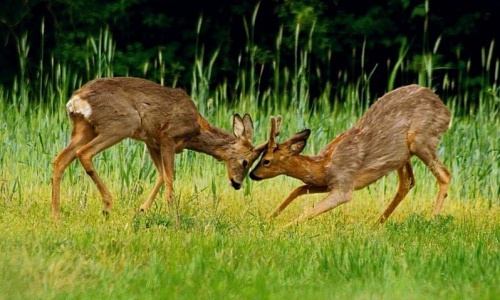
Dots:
pixel 225 248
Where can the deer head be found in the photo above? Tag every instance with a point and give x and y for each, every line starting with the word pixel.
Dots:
pixel 241 154
pixel 276 157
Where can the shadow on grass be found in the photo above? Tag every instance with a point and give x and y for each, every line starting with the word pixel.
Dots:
pixel 417 222
pixel 150 220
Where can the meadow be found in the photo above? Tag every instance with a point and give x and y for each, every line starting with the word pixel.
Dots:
pixel 221 245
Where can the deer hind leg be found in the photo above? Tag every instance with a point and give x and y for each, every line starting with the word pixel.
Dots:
pixel 156 157
pixel 406 182
pixel 443 176
pixel 81 134
pixel 85 154
pixel 334 199
pixel 299 191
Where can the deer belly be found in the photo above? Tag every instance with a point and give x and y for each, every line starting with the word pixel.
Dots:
pixel 378 168
pixel 143 136
pixel 365 179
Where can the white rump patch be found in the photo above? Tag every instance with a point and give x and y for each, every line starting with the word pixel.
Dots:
pixel 78 106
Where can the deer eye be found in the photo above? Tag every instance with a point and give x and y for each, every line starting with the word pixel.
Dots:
pixel 244 163
pixel 266 162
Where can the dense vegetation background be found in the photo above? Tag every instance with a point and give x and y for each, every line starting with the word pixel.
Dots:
pixel 393 41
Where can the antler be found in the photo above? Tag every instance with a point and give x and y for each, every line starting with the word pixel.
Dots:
pixel 278 125
pixel 274 132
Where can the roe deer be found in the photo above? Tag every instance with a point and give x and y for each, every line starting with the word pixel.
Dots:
pixel 105 111
pixel 405 122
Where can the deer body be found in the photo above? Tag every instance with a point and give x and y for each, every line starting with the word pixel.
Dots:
pixel 136 106
pixel 107 110
pixel 405 122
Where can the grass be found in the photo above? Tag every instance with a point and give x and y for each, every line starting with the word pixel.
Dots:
pixel 223 247
pixel 232 252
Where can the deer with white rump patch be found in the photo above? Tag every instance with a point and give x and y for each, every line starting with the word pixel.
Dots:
pixel 404 122
pixel 107 110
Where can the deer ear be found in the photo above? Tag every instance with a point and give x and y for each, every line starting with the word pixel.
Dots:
pixel 238 126
pixel 248 124
pixel 298 141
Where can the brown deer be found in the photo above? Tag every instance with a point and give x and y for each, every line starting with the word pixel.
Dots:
pixel 405 122
pixel 105 111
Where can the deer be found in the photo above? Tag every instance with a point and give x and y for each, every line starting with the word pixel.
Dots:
pixel 105 111
pixel 408 121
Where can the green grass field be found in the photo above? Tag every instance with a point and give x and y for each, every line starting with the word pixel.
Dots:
pixel 222 246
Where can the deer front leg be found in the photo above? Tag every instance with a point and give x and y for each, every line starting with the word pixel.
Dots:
pixel 167 162
pixel 299 191
pixel 156 157
pixel 334 199
pixel 147 204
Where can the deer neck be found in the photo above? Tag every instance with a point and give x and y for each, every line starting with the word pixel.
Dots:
pixel 309 169
pixel 211 140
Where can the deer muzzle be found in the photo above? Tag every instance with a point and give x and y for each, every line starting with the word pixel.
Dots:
pixel 235 184
pixel 254 177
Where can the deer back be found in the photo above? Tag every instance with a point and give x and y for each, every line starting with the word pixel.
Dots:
pixel 382 139
pixel 127 102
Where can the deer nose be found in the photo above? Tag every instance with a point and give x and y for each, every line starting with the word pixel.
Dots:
pixel 235 185
pixel 253 177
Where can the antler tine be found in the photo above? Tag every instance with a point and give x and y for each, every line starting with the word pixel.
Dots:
pixel 278 124
pixel 273 132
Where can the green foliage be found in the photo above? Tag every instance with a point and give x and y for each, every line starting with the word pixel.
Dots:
pixel 361 38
